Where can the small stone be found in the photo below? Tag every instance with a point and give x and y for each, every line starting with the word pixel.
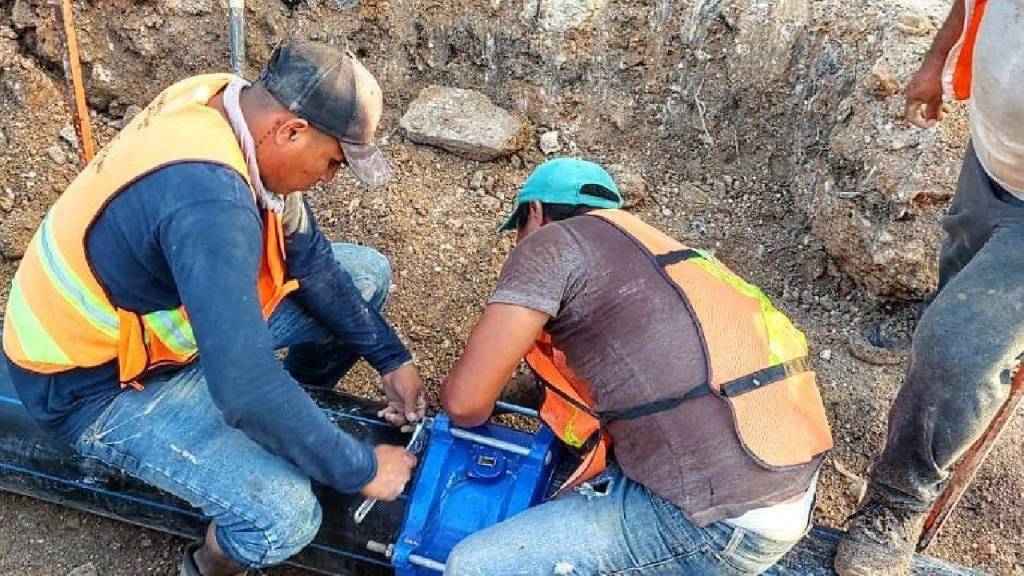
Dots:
pixel 189 7
pixel 549 142
pixel 825 354
pixel 3 140
pixel 67 134
pixel 55 154
pixel 7 203
pixel 463 122
pixel 476 181
pixel 857 487
pixel 885 81
pixel 131 112
pixel 101 73
pixel 84 570
pixel 490 204
pixel 561 15
pixel 915 23
pixel 341 5
pixel 516 162
pixel 666 211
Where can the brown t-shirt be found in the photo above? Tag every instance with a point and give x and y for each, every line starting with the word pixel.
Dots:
pixel 626 331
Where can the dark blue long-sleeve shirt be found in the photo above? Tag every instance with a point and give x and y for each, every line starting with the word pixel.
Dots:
pixel 191 234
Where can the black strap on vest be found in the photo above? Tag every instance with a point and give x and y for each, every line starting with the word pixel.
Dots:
pixel 676 256
pixel 730 389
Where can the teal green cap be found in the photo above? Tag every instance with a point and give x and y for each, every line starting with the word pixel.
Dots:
pixel 565 181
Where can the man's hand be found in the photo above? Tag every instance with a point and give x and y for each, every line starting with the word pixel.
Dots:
pixel 924 96
pixel 394 468
pixel 406 402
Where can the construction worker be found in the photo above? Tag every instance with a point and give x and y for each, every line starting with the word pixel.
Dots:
pixel 687 395
pixel 971 335
pixel 186 239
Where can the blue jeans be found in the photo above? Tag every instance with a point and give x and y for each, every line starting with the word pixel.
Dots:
pixel 172 436
pixel 611 525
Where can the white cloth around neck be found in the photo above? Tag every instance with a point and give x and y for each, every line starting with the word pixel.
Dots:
pixel 265 198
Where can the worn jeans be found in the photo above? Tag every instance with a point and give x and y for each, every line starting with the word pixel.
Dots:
pixel 611 525
pixel 966 343
pixel 174 437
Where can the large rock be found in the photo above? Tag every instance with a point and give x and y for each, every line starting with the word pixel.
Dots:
pixel 879 200
pixel 464 122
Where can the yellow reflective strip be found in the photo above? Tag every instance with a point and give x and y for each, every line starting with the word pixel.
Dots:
pixel 37 344
pixel 785 341
pixel 171 327
pixel 99 313
pixel 570 437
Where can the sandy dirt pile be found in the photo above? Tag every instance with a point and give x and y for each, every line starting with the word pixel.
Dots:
pixel 766 131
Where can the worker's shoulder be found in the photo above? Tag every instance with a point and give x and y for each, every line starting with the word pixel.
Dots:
pixel 193 182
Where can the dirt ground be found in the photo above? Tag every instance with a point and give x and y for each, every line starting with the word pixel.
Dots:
pixel 438 231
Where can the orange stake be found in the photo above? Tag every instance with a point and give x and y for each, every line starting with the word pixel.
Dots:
pixel 971 461
pixel 65 20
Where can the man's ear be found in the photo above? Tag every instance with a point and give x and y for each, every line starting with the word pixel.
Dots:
pixel 292 131
pixel 537 212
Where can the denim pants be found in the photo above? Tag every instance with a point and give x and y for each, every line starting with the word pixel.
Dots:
pixel 967 342
pixel 611 525
pixel 172 436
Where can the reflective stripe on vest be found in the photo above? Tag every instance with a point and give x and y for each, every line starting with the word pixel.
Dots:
pixel 757 363
pixel 567 410
pixel 958 72
pixel 59 316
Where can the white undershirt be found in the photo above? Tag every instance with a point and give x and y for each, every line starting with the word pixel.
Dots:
pixel 783 522
pixel 997 94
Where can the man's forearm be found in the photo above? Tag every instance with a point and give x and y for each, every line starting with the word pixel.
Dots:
pixel 947 36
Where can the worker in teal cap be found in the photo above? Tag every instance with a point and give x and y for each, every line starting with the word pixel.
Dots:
pixel 658 366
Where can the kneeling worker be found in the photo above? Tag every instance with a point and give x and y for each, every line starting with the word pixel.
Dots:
pixel 142 322
pixel 687 394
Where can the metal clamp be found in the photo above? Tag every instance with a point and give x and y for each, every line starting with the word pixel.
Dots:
pixel 415 446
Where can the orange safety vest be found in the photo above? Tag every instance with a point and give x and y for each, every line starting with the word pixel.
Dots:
pixel 757 363
pixel 958 73
pixel 59 315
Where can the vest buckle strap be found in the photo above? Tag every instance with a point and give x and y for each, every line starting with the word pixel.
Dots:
pixel 764 377
pixel 730 389
pixel 676 256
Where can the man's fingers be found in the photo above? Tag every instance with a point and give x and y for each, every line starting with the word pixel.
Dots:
pixel 915 113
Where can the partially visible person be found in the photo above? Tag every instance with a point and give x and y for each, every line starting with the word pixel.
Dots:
pixel 687 395
pixel 970 337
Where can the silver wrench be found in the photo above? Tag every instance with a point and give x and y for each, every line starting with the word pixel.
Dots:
pixel 416 444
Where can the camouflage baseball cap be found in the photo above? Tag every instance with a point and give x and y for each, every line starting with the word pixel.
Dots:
pixel 330 88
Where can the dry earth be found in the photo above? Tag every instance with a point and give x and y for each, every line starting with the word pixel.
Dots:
pixel 712 152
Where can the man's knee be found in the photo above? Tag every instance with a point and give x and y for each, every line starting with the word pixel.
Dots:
pixel 370 271
pixel 975 375
pixel 470 558
pixel 272 530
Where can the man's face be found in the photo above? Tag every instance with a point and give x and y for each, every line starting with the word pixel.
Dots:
pixel 299 158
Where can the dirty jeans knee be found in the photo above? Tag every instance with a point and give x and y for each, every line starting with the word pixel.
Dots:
pixel 270 536
pixel 369 269
pixel 315 357
pixel 950 394
pixel 469 558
